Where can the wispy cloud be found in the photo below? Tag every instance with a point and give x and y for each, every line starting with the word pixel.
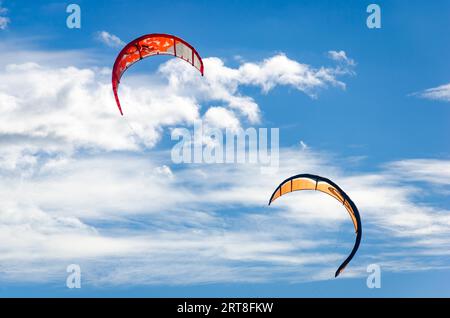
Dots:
pixel 441 93
pixel 341 56
pixel 182 226
pixel 109 39
pixel 429 170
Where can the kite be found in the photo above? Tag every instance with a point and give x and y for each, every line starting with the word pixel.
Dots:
pixel 149 45
pixel 317 183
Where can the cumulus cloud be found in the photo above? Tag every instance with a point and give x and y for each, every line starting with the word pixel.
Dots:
pixel 109 39
pixel 222 83
pixel 49 108
pixel 441 93
pixel 55 108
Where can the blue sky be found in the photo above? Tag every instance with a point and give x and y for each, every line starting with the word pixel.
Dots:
pixel 79 187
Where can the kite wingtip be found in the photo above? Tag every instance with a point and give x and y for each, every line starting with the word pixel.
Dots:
pixel 338 272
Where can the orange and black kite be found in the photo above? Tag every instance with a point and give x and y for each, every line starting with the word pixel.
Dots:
pixel 317 183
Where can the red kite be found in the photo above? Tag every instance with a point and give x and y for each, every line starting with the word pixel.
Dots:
pixel 149 45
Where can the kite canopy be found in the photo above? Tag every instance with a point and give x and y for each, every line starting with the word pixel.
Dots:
pixel 149 45
pixel 317 183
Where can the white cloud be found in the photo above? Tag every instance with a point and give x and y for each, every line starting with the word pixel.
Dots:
pixel 222 83
pixel 72 108
pixel 170 239
pixel 429 170
pixel 437 93
pixel 109 39
pixel 341 56
pixel 280 70
pixel 220 117
pixel 164 170
pixel 163 223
